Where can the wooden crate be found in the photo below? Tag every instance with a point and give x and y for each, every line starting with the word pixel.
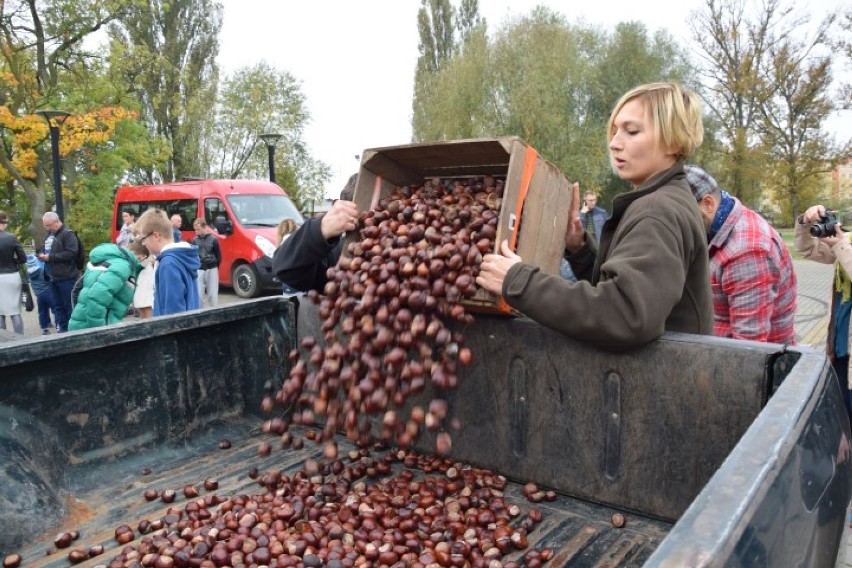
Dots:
pixel 546 200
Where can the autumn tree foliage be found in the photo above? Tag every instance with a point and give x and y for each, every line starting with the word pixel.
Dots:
pixel 43 65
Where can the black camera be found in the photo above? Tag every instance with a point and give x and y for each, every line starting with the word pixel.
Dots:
pixel 825 227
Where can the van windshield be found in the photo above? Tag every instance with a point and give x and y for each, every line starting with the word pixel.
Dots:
pixel 263 210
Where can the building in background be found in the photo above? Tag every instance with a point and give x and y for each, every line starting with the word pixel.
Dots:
pixel 840 183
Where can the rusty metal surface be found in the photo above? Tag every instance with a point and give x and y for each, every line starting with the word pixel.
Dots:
pixel 102 496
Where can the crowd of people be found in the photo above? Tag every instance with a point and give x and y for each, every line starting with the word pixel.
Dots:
pixel 148 271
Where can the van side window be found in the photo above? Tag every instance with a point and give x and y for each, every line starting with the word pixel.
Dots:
pixel 213 208
pixel 186 208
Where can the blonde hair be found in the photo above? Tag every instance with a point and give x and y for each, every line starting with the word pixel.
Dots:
pixel 675 116
pixel 138 248
pixel 154 220
pixel 285 227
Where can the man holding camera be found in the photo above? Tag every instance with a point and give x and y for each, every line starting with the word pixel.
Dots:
pixel 818 237
pixel 751 272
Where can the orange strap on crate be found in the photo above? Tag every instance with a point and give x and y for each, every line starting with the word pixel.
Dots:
pixel 377 189
pixel 526 176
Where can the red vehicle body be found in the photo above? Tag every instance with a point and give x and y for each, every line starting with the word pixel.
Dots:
pixel 245 214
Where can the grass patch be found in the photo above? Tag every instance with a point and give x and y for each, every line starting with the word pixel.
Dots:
pixel 787 235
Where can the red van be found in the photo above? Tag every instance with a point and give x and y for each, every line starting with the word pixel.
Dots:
pixel 245 213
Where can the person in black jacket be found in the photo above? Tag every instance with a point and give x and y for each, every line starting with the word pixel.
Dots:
pixel 59 254
pixel 210 256
pixel 302 260
pixel 12 256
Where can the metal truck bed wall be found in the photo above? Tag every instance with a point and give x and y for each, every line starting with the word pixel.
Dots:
pixel 643 432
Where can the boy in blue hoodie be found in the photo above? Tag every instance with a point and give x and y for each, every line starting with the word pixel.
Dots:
pixel 176 273
pixel 45 300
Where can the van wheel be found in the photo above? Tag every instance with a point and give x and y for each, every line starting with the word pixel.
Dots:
pixel 245 281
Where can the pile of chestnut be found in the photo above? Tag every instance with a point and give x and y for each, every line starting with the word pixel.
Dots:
pixel 384 312
pixel 401 508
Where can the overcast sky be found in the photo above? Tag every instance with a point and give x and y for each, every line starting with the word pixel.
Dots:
pixel 355 59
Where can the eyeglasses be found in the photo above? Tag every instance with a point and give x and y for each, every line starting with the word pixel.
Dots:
pixel 142 240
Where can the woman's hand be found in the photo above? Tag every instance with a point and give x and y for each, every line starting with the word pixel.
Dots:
pixel 494 267
pixel 813 214
pixel 839 236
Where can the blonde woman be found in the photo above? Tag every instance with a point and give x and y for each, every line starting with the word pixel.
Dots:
pixel 285 228
pixel 650 272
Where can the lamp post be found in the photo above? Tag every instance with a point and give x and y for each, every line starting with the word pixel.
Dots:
pixel 271 140
pixel 54 119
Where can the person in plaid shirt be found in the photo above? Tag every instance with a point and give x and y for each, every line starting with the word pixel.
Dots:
pixel 751 271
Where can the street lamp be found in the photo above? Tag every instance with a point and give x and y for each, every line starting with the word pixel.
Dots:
pixel 54 119
pixel 271 140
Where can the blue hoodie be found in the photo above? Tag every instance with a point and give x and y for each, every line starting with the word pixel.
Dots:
pixel 176 280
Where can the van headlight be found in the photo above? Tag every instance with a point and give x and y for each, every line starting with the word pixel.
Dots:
pixel 265 245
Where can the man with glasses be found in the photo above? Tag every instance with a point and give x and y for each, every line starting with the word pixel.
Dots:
pixel 176 273
pixel 59 254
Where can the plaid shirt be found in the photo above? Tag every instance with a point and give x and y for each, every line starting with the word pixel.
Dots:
pixel 753 281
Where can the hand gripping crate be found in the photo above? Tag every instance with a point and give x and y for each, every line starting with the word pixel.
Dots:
pixel 536 198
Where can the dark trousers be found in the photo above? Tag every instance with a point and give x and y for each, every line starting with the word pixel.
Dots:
pixel 46 303
pixel 841 368
pixel 62 295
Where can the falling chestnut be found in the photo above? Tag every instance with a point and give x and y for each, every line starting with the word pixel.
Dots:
pixel 618 520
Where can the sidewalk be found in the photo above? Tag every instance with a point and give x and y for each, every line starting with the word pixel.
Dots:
pixel 31 326
pixel 813 283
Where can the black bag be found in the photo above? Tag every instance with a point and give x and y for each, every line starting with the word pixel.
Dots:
pixel 27 297
pixel 80 259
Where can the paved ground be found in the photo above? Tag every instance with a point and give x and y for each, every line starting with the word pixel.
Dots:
pixel 31 327
pixel 814 285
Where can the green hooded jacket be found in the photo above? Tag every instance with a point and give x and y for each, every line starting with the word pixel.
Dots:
pixel 108 286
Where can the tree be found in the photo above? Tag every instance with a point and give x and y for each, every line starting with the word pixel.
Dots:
pixel 437 24
pixel 733 46
pixel 166 53
pixel 793 117
pixel 261 99
pixel 43 59
pixel 844 47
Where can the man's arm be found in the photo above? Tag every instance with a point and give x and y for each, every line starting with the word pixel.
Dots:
pixel 301 261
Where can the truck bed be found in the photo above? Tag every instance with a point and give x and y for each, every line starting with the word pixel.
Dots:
pixel 102 496
pixel 718 452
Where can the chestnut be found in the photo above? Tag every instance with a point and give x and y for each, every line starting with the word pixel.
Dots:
pixel 168 496
pixel 224 444
pixel 211 484
pixel 76 556
pixel 618 520
pixel 63 540
pixel 151 494
pixel 12 561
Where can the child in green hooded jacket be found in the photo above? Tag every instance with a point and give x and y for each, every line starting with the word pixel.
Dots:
pixel 107 286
